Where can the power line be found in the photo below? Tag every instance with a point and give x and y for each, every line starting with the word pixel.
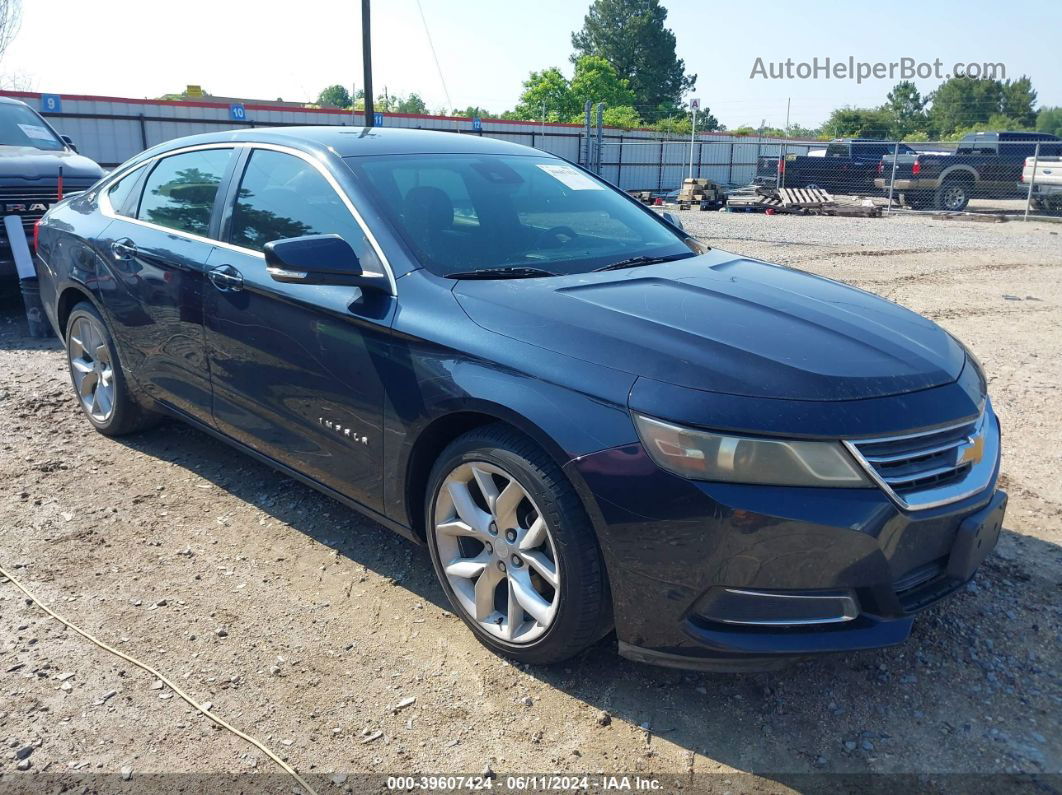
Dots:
pixel 438 68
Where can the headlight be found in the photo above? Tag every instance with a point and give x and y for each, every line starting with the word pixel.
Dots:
pixel 741 459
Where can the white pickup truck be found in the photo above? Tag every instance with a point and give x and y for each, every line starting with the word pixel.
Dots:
pixel 1047 185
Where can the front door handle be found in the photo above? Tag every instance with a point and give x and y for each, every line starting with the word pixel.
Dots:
pixel 123 248
pixel 226 278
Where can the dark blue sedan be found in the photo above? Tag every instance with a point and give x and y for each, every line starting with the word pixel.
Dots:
pixel 594 421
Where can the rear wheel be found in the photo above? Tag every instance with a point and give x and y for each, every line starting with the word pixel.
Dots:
pixel 96 372
pixel 513 548
pixel 953 195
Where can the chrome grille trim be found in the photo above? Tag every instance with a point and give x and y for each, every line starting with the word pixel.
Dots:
pixel 927 469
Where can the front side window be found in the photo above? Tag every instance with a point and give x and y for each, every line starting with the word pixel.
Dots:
pixel 461 212
pixel 180 191
pixel 283 196
pixel 20 126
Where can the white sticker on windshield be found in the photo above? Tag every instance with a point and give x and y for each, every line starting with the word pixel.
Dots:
pixel 36 131
pixel 571 177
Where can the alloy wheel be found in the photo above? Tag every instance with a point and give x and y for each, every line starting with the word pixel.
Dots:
pixel 954 196
pixel 92 369
pixel 497 552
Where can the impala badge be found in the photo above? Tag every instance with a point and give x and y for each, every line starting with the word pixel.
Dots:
pixel 348 433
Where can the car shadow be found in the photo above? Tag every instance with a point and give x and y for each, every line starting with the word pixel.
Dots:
pixel 845 714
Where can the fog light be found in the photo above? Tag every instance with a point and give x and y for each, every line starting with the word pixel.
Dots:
pixel 776 608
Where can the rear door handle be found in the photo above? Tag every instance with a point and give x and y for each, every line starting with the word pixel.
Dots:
pixel 226 278
pixel 123 248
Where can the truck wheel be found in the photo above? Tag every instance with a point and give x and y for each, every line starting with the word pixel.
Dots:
pixel 953 195
pixel 513 548
pixel 102 389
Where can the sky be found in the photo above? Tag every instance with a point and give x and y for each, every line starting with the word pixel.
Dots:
pixel 268 49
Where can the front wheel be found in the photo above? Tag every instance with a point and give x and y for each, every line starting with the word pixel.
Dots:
pixel 102 390
pixel 514 549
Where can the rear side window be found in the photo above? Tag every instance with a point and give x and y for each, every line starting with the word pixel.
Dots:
pixel 121 194
pixel 283 196
pixel 180 191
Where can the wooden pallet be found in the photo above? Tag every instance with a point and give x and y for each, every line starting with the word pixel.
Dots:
pixel 804 197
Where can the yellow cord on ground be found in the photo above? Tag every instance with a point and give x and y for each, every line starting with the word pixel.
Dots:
pixel 219 721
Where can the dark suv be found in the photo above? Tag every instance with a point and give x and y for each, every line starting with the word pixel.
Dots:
pixel 590 418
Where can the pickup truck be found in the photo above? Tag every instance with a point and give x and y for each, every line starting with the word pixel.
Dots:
pixel 32 156
pixel 1046 192
pixel 849 166
pixel 985 164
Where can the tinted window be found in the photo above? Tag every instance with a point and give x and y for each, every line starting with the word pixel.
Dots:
pixel 283 196
pixel 460 212
pixel 179 192
pixel 120 193
pixel 20 126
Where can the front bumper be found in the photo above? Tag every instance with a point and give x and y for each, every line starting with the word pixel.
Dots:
pixel 671 544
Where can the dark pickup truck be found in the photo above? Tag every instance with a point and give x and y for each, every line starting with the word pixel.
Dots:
pixel 985 164
pixel 849 166
pixel 31 157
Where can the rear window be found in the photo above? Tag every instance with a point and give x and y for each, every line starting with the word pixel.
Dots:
pixel 180 191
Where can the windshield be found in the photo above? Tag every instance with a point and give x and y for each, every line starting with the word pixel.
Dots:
pixel 469 212
pixel 20 126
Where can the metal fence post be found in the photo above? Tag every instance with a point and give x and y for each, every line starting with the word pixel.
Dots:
pixel 730 166
pixel 660 170
pixel 779 177
pixel 143 133
pixel 1032 179
pixel 892 176
pixel 586 157
pixel 600 121
pixel 619 164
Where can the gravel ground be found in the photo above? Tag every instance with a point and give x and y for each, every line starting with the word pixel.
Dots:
pixel 312 628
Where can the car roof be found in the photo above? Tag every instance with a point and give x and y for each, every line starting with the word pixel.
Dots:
pixel 360 141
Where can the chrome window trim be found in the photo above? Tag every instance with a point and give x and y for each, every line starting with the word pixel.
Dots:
pixel 977 480
pixel 107 210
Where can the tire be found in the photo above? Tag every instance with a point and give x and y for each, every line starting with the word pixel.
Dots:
pixel 560 621
pixel 100 385
pixel 953 195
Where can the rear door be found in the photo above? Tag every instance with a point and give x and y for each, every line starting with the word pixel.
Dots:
pixel 158 245
pixel 296 369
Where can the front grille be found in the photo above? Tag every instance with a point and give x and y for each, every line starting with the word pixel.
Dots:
pixel 23 201
pixel 929 468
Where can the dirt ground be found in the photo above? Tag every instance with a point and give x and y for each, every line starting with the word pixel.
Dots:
pixel 306 625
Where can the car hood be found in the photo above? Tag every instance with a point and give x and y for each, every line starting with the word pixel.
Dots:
pixel 722 323
pixel 27 163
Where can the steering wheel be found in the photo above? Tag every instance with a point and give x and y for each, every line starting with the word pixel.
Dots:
pixel 555 234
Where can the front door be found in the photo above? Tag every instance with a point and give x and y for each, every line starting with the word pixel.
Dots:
pixel 158 244
pixel 296 369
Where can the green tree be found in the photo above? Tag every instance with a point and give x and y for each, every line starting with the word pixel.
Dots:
pixel 849 122
pixel 964 102
pixel 1049 120
pixel 335 96
pixel 1019 102
pixel 907 110
pixel 412 104
pixel 595 79
pixel 547 89
pixel 625 117
pixel 631 35
pixel 472 111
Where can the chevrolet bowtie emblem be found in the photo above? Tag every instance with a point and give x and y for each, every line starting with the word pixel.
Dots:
pixel 972 452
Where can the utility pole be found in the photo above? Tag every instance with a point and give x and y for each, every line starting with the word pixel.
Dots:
pixel 366 54
pixel 695 105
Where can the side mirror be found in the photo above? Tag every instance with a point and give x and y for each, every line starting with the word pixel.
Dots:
pixel 674 220
pixel 319 259
pixel 68 141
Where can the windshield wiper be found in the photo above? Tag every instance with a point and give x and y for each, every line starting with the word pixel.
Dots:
pixel 501 273
pixel 637 262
